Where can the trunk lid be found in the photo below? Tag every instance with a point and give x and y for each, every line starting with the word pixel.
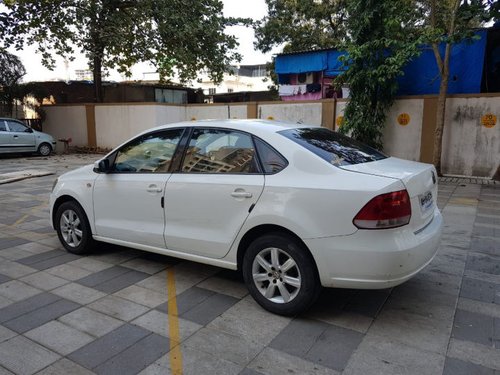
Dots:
pixel 419 179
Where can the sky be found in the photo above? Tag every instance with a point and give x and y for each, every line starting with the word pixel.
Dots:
pixel 255 9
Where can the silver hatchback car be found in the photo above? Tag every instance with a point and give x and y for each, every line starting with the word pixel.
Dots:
pixel 15 137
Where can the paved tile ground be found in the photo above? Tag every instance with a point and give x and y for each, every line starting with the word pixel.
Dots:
pixel 107 313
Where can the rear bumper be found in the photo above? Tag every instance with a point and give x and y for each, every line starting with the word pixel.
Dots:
pixel 372 259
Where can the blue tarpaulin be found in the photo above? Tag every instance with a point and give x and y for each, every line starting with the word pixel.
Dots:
pixel 301 63
pixel 421 75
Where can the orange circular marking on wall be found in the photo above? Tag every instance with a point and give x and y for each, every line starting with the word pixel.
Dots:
pixel 489 120
pixel 339 121
pixel 404 119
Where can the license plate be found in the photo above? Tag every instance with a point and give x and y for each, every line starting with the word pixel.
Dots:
pixel 426 201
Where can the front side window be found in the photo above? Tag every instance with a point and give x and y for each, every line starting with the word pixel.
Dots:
pixel 17 127
pixel 220 151
pixel 151 153
pixel 333 147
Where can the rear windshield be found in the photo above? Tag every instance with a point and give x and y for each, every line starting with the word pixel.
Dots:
pixel 335 148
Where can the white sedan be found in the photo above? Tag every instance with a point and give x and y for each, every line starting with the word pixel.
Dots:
pixel 294 207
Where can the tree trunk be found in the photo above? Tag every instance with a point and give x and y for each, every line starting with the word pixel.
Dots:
pixel 98 97
pixel 440 116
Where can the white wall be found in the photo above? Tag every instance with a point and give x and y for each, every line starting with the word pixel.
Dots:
pixel 306 113
pixel 404 141
pixel 117 123
pixel 215 111
pixel 469 148
pixel 64 122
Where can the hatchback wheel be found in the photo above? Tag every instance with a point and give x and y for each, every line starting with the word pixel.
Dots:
pixel 281 274
pixel 73 228
pixel 44 149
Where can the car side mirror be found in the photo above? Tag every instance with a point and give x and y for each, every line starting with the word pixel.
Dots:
pixel 101 166
pixel 29 130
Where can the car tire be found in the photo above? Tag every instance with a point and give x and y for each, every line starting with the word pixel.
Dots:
pixel 281 274
pixel 73 228
pixel 44 149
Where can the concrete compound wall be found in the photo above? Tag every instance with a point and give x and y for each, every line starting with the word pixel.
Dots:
pixel 67 122
pixel 469 147
pixel 207 111
pixel 115 124
pixel 307 113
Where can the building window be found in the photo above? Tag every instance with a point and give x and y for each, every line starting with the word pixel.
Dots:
pixel 230 90
pixel 211 91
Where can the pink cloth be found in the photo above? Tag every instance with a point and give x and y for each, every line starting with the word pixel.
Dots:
pixel 306 96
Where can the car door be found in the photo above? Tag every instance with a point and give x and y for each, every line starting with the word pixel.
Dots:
pixel 209 198
pixel 20 137
pixel 4 137
pixel 128 199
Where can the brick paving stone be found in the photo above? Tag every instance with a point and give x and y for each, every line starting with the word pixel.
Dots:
pixel 4 279
pixel 320 343
pixel 11 242
pixel 91 322
pixel 274 362
pixel 30 304
pixel 453 366
pixel 158 322
pixel 103 276
pixel 118 307
pixel 188 299
pixel 43 280
pixel 6 333
pixel 65 367
pixel 469 326
pixel 41 316
pixel 309 332
pixel 225 345
pixel 108 346
pixel 483 263
pixel 209 309
pixel 78 293
pixel 480 290
pixel 16 290
pixel 59 337
pixel 136 357
pixel 142 296
pixel 23 356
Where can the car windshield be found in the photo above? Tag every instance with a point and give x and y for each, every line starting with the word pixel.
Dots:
pixel 333 147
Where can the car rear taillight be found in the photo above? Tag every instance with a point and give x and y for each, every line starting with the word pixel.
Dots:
pixel 389 210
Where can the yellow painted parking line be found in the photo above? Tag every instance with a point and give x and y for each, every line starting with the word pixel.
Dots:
pixel 173 325
pixel 20 220
pixel 24 217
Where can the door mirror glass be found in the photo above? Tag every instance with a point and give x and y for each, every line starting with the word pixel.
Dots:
pixel 29 130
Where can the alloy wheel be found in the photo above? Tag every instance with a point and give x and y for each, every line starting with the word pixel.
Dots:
pixel 276 275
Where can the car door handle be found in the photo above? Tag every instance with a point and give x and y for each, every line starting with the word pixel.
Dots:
pixel 16 136
pixel 154 189
pixel 241 194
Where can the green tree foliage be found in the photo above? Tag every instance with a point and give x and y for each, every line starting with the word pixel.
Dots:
pixel 445 23
pixel 383 38
pixel 177 36
pixel 11 72
pixel 302 25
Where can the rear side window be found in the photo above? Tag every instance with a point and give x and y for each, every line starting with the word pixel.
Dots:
pixel 333 147
pixel 271 160
pixel 3 128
